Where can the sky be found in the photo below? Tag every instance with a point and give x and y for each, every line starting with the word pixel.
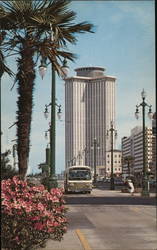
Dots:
pixel 123 43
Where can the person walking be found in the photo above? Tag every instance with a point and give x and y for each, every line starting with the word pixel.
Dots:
pixel 131 188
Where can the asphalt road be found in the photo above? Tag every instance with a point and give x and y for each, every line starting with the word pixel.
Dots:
pixel 111 220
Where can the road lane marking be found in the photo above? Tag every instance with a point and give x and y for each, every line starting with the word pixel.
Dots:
pixel 135 209
pixel 83 239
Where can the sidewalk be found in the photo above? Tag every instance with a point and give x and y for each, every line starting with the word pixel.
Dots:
pixel 74 238
pixel 118 193
pixel 70 241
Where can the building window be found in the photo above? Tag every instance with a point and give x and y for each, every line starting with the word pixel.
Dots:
pixel 115 169
pixel 108 162
pixel 108 169
pixel 115 155
pixel 115 161
pixel 102 171
pixel 108 155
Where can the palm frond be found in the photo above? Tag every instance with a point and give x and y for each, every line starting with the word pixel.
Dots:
pixel 29 25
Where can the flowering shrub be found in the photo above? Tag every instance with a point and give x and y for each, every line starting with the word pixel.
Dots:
pixel 31 214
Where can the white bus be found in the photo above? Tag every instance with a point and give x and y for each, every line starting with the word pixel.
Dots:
pixel 78 179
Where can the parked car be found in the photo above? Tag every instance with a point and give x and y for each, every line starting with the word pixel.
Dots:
pixel 152 183
pixel 107 180
pixel 119 182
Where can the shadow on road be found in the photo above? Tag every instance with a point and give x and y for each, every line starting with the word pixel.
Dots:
pixel 150 201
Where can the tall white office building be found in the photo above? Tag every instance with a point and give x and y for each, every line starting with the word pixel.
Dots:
pixel 89 110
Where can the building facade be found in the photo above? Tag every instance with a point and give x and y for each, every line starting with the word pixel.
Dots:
pixel 132 147
pixel 154 153
pixel 117 163
pixel 89 110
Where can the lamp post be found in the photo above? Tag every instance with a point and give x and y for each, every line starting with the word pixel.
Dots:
pixel 95 146
pixel 112 131
pixel 79 157
pixel 42 70
pixel 143 104
pixel 85 152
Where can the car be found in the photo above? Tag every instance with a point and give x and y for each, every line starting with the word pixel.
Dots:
pixel 107 180
pixel 119 182
pixel 152 183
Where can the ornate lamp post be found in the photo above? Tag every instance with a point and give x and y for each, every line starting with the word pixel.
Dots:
pixel 42 71
pixel 112 131
pixel 143 104
pixel 95 146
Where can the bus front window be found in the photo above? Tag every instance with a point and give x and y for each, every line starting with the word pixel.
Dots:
pixel 79 174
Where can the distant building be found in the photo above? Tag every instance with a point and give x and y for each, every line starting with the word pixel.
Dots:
pixel 132 146
pixel 154 124
pixel 89 110
pixel 117 163
pixel 154 153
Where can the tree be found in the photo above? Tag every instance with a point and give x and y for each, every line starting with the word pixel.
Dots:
pixel 128 160
pixel 7 171
pixel 36 29
pixel 3 66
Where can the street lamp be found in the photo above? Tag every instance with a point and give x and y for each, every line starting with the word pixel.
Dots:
pixel 59 112
pixel 143 104
pixel 42 67
pixel 95 146
pixel 112 131
pixel 85 153
pixel 79 157
pixel 42 71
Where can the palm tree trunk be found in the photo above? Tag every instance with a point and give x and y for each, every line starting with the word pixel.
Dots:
pixel 25 79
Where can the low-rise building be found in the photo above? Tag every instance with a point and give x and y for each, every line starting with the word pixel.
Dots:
pixel 117 163
pixel 154 153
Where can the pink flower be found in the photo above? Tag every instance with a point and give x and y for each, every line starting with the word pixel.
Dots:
pixel 54 199
pixel 49 223
pixel 61 220
pixel 43 210
pixel 56 224
pixel 6 203
pixel 16 180
pixel 38 226
pixel 48 213
pixel 17 238
pixel 65 229
pixel 40 206
pixel 50 230
pixel 35 218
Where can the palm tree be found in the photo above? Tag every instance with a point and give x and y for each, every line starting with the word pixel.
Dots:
pixel 34 29
pixel 128 160
pixel 3 66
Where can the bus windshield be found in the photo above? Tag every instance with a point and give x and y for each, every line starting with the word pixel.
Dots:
pixel 79 174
